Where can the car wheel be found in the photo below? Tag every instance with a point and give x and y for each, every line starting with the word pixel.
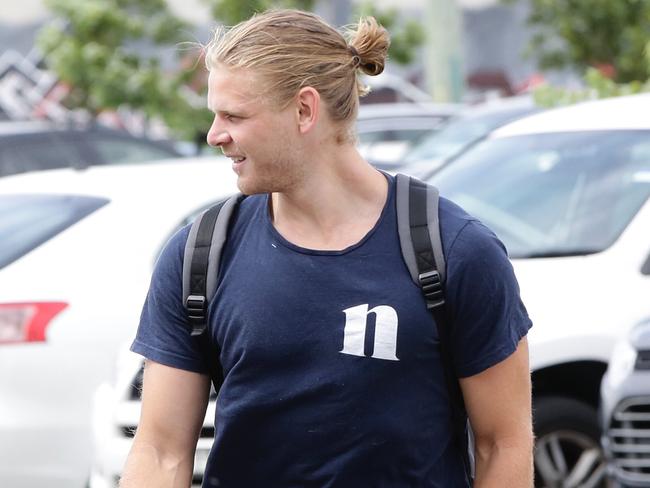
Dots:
pixel 567 445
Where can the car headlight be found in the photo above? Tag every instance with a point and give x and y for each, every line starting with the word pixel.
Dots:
pixel 622 361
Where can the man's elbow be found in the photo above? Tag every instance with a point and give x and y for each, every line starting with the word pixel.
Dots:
pixel 505 459
pixel 155 462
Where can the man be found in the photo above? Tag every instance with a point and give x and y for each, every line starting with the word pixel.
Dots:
pixel 312 265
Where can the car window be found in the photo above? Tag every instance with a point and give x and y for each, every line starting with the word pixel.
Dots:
pixel 117 150
pixel 27 221
pixel 460 133
pixel 553 194
pixel 38 152
pixel 389 145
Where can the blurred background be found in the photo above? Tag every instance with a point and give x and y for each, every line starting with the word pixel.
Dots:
pixel 534 115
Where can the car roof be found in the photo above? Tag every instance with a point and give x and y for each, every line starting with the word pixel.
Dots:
pixel 620 113
pixel 30 127
pixel 156 180
pixel 518 104
pixel 389 110
pixel 11 127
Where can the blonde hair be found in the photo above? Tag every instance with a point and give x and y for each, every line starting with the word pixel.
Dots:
pixel 292 49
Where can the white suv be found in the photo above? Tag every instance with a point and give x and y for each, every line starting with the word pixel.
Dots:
pixel 567 192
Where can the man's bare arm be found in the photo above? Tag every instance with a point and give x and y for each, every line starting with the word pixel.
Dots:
pixel 498 403
pixel 174 402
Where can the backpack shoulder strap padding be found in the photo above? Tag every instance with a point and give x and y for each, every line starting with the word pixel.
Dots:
pixel 202 257
pixel 408 189
pixel 419 234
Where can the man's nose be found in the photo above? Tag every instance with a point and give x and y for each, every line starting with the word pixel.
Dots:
pixel 218 136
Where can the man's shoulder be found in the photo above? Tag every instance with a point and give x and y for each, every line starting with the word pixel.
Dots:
pixel 454 221
pixel 174 247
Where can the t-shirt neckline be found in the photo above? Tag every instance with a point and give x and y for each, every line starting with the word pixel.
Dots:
pixel 321 252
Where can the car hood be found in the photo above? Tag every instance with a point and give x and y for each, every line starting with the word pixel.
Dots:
pixel 578 305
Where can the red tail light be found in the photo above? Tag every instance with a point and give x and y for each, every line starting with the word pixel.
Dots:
pixel 26 322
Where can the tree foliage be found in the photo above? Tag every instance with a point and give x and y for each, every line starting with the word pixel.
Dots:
pixel 592 33
pixel 597 85
pixel 92 49
pixel 231 12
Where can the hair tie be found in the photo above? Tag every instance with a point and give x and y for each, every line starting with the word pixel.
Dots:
pixel 356 59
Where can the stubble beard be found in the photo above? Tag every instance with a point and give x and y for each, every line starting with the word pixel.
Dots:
pixel 281 172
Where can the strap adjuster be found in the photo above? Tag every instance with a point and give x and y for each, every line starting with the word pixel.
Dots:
pixel 196 312
pixel 431 285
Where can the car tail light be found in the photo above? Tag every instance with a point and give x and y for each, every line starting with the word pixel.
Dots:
pixel 26 322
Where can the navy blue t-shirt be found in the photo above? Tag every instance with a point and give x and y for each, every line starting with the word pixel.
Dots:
pixel 332 373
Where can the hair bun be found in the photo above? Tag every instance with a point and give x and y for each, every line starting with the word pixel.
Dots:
pixel 369 42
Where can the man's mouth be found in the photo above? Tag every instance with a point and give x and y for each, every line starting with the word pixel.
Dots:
pixel 237 162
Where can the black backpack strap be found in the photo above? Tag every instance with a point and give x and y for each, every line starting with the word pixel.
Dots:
pixel 201 260
pixel 419 232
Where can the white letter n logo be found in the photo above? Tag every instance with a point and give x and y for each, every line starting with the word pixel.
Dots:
pixel 356 319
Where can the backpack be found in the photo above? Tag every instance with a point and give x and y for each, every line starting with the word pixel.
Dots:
pixel 419 235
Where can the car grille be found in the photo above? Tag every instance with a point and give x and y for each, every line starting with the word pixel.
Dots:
pixel 629 440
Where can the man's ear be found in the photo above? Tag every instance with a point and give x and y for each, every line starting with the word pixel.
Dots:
pixel 308 104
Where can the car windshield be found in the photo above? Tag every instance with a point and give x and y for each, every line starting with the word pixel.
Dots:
pixel 555 194
pixel 27 221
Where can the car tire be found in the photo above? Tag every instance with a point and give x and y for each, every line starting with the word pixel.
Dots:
pixel 567 445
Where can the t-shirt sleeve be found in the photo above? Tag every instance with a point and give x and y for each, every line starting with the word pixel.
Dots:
pixel 163 334
pixel 488 318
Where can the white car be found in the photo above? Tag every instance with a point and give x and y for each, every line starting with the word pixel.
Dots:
pixel 76 257
pixel 625 409
pixel 567 191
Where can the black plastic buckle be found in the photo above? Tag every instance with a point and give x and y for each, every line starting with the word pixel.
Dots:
pixel 431 285
pixel 196 312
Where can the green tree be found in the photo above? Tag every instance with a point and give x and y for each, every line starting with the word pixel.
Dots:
pixel 597 85
pixel 91 47
pixel 98 49
pixel 608 34
pixel 231 12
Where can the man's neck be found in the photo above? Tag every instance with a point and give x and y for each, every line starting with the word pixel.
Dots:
pixel 335 205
